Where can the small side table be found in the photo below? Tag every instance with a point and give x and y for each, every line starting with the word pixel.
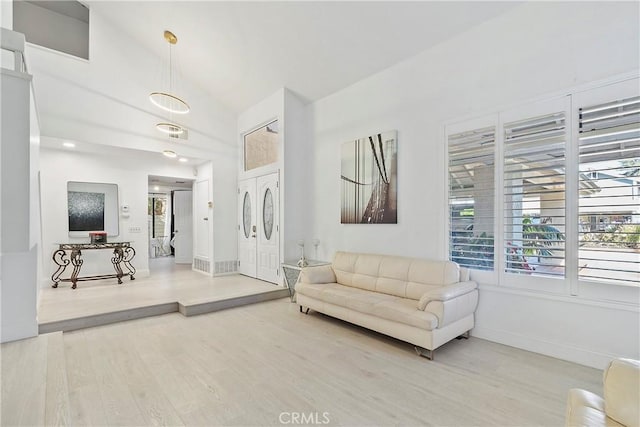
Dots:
pixel 291 271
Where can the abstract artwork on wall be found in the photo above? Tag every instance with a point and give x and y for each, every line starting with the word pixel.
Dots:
pixel 86 211
pixel 369 180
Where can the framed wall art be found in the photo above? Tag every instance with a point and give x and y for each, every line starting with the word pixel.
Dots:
pixel 369 187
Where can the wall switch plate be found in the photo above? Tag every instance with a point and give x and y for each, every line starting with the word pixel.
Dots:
pixel 135 230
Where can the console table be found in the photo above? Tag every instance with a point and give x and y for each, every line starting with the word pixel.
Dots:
pixel 123 253
pixel 292 270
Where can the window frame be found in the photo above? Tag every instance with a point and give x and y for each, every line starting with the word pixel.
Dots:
pixel 541 283
pixel 600 290
pixel 570 100
pixel 482 276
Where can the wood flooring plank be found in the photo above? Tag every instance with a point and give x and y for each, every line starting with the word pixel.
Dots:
pixel 85 400
pixel 57 408
pixel 23 373
pixel 126 363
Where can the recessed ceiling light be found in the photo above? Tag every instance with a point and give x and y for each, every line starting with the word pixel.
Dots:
pixel 170 153
pixel 68 144
pixel 156 188
pixel 183 159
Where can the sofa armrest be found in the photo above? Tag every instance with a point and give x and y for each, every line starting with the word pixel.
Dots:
pixel 317 274
pixel 622 391
pixel 584 409
pixel 446 293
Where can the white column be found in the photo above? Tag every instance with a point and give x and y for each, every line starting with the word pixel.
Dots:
pixel 18 253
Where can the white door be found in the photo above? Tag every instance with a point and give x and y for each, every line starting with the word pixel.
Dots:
pixel 259 229
pixel 247 228
pixel 183 227
pixel 268 235
pixel 201 237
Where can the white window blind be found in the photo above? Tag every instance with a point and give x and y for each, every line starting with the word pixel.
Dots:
pixel 534 195
pixel 471 198
pixel 609 202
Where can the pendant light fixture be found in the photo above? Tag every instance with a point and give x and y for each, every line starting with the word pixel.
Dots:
pixel 168 101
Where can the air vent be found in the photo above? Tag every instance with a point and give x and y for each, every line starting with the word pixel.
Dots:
pixel 184 135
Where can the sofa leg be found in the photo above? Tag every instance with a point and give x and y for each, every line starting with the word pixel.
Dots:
pixel 464 336
pixel 305 312
pixel 424 352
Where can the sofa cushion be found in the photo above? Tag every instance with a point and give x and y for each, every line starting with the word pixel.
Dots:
pixel 386 306
pixel 404 310
pixel 424 275
pixel 392 275
pixel 317 274
pixel 343 267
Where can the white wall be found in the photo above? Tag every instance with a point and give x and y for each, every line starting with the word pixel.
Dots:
pixel 130 172
pixel 297 181
pixel 6 14
pixel 532 50
pixel 225 182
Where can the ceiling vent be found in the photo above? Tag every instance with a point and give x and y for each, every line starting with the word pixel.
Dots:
pixel 184 135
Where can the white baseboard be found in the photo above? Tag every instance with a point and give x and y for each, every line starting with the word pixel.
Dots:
pixel 558 350
pixel 231 273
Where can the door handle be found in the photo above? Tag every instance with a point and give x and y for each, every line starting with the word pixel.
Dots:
pixel 253 235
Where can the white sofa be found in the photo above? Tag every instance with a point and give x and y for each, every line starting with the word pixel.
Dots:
pixel 425 303
pixel 620 405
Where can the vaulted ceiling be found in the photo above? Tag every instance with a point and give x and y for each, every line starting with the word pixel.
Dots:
pixel 242 52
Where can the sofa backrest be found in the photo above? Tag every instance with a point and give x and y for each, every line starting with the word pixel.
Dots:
pixel 393 275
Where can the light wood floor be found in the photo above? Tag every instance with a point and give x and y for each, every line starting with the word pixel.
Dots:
pixel 256 365
pixel 168 282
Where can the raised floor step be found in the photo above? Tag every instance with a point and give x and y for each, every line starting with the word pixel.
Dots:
pixel 195 307
pixel 90 321
pixel 190 307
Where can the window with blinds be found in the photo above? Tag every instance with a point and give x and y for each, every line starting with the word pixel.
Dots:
pixel 471 198
pixel 534 195
pixel 609 197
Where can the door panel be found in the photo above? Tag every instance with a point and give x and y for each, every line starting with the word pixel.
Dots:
pixel 268 236
pixel 247 228
pixel 183 227
pixel 202 220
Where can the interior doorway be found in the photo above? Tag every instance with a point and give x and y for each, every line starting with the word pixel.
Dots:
pixel 259 227
pixel 170 220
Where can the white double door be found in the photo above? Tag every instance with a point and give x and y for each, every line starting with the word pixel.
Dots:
pixel 259 228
